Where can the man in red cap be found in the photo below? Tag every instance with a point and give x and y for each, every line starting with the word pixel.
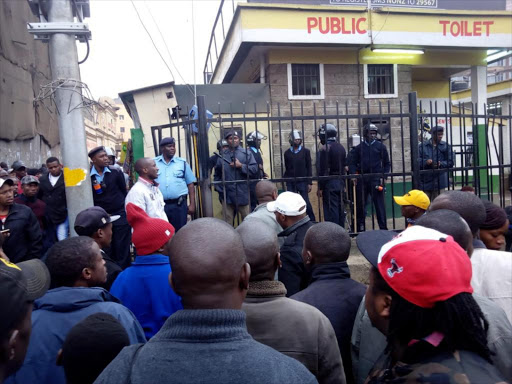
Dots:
pixel 144 287
pixel 420 296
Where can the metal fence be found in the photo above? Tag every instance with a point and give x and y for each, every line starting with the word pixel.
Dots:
pixel 481 145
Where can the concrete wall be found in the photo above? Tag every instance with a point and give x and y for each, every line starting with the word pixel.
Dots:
pixel 24 67
pixel 344 88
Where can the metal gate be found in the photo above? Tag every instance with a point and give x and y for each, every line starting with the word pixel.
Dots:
pixel 481 144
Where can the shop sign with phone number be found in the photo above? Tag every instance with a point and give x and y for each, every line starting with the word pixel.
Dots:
pixel 389 3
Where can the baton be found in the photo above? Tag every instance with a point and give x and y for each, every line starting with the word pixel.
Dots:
pixel 216 154
pixel 354 212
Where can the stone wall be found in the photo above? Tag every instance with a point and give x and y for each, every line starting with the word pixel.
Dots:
pixel 344 95
pixel 27 132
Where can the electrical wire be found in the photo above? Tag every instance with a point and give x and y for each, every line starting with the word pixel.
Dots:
pixel 87 54
pixel 151 38
pixel 167 49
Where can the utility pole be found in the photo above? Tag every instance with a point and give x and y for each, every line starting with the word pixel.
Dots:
pixel 57 27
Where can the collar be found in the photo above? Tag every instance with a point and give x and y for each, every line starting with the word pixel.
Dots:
pixel 155 259
pixel 296 151
pixel 293 227
pixel 330 271
pixel 266 288
pixel 478 244
pixel 433 339
pixel 148 182
pixel 369 143
pixel 95 172
pixel 205 325
pixel 162 159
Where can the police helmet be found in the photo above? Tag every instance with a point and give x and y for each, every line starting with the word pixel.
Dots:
pixel 254 138
pixel 294 135
pixel 221 143
pixel 327 131
pixel 370 128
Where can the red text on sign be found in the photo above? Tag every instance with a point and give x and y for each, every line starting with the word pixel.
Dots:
pixel 335 25
pixel 466 28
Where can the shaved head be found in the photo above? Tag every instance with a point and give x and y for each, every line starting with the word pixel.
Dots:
pixel 327 242
pixel 208 263
pixel 265 191
pixel 142 163
pixel 450 223
pixel 466 204
pixel 261 248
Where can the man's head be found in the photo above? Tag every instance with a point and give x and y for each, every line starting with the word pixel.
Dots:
pixel 4 165
pixel 437 134
pixel 450 223
pixel 233 138
pixel 6 192
pixel 370 132
pixel 222 145
pixel 295 139
pixel 30 186
pixel 168 147
pixel 20 169
pixel 209 272
pixel 150 235
pixel 90 346
pixel 413 204
pixel 99 157
pixel 54 166
pixel 4 174
pixel 266 191
pixel 96 223
pixel 495 226
pixel 326 243
pixel 20 285
pixel 146 168
pixel 76 262
pixel 466 204
pixel 261 249
pixel 289 208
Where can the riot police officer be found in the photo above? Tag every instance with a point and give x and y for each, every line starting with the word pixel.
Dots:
pixel 332 158
pixel 222 145
pixel 297 163
pixel 370 157
pixel 253 141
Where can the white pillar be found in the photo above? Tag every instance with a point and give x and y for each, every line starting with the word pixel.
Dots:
pixel 479 88
pixel 479 99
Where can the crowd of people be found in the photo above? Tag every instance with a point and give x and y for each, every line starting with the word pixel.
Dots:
pixel 143 295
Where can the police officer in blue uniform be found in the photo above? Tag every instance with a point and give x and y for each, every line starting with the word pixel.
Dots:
pixel 235 164
pixel 371 156
pixel 176 182
pixel 253 141
pixel 332 159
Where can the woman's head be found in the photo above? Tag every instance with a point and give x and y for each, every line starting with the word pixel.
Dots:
pixel 495 226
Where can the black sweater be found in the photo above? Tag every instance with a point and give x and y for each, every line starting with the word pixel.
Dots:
pixel 114 192
pixel 298 164
pixel 54 197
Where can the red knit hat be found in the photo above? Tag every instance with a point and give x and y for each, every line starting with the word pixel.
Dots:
pixel 149 234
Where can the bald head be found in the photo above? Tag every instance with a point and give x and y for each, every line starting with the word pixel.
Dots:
pixel 141 164
pixel 327 243
pixel 261 248
pixel 265 191
pixel 208 265
pixel 450 223
pixel 466 204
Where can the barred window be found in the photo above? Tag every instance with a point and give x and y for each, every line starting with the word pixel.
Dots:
pixel 305 81
pixel 495 108
pixel 381 79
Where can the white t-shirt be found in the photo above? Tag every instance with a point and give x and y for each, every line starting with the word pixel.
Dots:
pixel 53 179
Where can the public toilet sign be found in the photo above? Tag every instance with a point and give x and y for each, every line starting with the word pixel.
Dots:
pixel 388 27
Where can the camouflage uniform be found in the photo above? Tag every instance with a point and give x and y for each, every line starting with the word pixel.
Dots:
pixel 459 367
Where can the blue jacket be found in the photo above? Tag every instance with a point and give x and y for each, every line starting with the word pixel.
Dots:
pixel 442 153
pixel 369 158
pixel 144 289
pixel 236 193
pixel 54 315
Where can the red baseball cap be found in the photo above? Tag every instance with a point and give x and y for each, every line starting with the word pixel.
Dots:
pixel 425 266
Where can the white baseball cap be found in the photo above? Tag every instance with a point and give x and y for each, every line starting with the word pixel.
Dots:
pixel 6 181
pixel 288 204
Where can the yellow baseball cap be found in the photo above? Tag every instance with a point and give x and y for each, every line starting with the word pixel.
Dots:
pixel 414 197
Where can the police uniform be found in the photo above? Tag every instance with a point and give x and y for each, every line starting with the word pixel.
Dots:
pixel 173 179
pixel 370 157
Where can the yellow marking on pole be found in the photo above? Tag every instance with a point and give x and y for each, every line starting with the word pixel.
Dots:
pixel 74 177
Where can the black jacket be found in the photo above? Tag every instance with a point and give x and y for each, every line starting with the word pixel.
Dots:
pixel 331 161
pixel 370 158
pixel 113 193
pixel 25 239
pixel 293 273
pixel 298 164
pixel 337 296
pixel 54 197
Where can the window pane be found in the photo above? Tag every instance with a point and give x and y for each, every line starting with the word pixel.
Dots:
pixel 380 79
pixel 305 79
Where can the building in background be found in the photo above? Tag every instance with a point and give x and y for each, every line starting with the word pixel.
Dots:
pixel 28 131
pixel 124 122
pixel 101 125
